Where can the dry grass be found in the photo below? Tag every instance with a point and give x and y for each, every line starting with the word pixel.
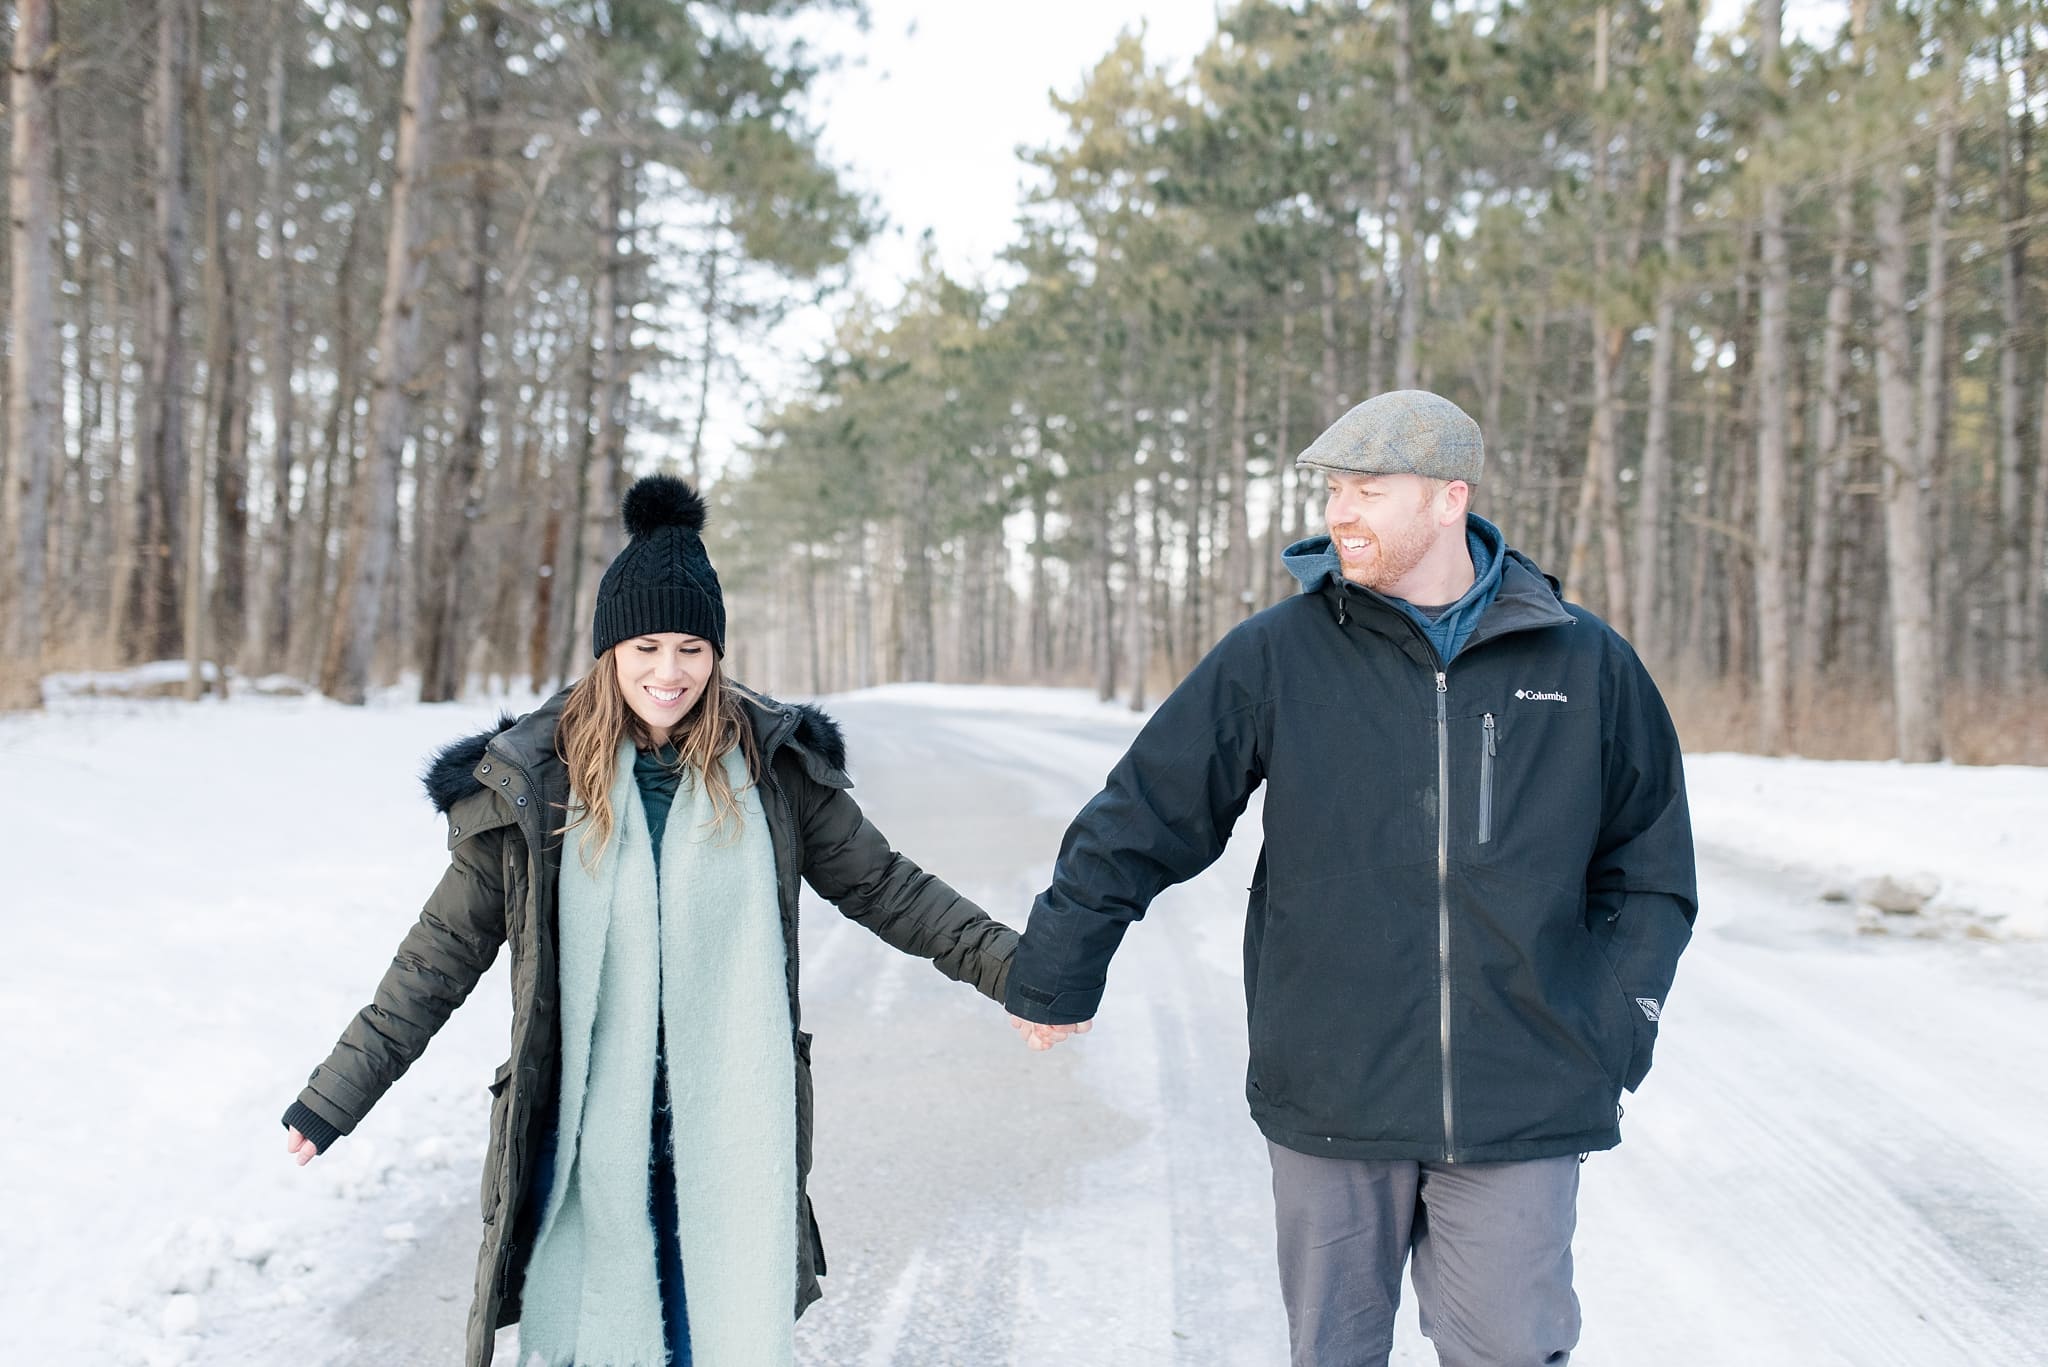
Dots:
pixel 20 685
pixel 1979 726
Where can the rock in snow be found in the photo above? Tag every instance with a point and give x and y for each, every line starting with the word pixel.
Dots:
pixel 1896 896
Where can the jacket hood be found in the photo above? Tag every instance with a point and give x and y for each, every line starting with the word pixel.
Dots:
pixel 1537 597
pixel 450 774
pixel 1314 564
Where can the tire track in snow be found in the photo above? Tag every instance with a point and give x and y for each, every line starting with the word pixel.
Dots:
pixel 1785 1133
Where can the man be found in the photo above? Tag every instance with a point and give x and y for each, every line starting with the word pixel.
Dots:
pixel 1476 881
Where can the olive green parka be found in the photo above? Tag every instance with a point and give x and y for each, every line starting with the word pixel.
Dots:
pixel 504 794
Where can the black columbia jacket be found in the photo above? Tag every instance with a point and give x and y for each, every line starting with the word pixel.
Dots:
pixel 1476 881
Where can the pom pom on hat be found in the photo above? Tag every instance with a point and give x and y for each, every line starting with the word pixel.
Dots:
pixel 661 501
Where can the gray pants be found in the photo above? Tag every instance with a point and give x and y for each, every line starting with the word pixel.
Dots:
pixel 1493 1258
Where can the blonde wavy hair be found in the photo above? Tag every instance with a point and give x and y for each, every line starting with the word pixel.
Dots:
pixel 597 717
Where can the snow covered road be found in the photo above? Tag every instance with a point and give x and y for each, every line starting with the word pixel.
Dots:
pixel 1841 1157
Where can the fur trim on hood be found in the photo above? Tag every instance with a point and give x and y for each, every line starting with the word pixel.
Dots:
pixel 819 734
pixel 450 775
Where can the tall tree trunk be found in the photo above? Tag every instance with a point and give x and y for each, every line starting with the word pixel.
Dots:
pixel 713 259
pixel 1773 540
pixel 1286 489
pixel 310 619
pixel 212 412
pixel 810 624
pixel 2015 154
pixel 1102 640
pixel 1041 588
pixel 603 471
pixel 2037 555
pixel 1137 613
pixel 864 617
pixel 1409 169
pixel 1328 390
pixel 1908 564
pixel 1701 589
pixel 1206 456
pixel 1652 634
pixel 592 489
pixel 444 627
pixel 1524 496
pixel 1599 446
pixel 373 523
pixel 153 592
pixel 34 416
pixel 1376 293
pixel 917 636
pixel 81 530
pixel 1237 585
pixel 1816 624
pixel 121 505
pixel 228 604
pixel 1492 395
pixel 544 596
pixel 274 624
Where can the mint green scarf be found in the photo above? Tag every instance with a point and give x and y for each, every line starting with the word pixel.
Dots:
pixel 713 964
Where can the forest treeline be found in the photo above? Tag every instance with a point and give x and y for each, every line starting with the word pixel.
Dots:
pixel 347 311
pixel 328 321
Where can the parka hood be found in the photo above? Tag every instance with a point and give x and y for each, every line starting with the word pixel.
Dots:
pixel 450 774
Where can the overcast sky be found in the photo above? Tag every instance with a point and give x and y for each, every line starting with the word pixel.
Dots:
pixel 931 103
pixel 931 115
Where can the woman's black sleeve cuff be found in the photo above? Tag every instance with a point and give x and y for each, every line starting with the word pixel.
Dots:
pixel 308 1122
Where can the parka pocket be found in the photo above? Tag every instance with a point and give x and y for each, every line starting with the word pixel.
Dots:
pixel 494 1156
pixel 1490 744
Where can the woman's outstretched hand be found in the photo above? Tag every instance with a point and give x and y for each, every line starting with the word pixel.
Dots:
pixel 1043 1037
pixel 303 1149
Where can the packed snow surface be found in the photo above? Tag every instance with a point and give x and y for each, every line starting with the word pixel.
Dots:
pixel 1842 1156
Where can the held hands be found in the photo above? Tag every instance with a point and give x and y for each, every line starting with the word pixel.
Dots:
pixel 302 1148
pixel 1042 1037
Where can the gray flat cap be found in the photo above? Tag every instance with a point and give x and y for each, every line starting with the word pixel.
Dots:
pixel 1402 432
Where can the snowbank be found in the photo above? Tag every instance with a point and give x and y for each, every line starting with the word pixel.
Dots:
pixel 1979 835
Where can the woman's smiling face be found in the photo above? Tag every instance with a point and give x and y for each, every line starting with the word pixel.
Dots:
pixel 663 677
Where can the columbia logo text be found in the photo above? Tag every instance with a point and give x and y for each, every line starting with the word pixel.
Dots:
pixel 1530 695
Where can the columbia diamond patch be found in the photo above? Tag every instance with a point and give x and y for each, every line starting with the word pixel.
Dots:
pixel 1650 1006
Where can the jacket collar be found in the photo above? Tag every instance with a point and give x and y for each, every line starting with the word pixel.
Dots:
pixel 1528 599
pixel 816 740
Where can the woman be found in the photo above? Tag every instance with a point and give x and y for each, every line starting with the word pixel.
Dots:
pixel 637 841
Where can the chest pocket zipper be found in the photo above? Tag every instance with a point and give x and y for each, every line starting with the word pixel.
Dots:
pixel 1486 783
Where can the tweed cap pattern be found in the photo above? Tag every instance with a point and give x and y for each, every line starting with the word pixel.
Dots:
pixel 663 580
pixel 1401 432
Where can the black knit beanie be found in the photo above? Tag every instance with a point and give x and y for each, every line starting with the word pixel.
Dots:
pixel 662 581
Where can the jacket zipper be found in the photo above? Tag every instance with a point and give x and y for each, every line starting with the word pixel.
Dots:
pixel 795 938
pixel 1443 884
pixel 789 817
pixel 1486 785
pixel 1443 900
